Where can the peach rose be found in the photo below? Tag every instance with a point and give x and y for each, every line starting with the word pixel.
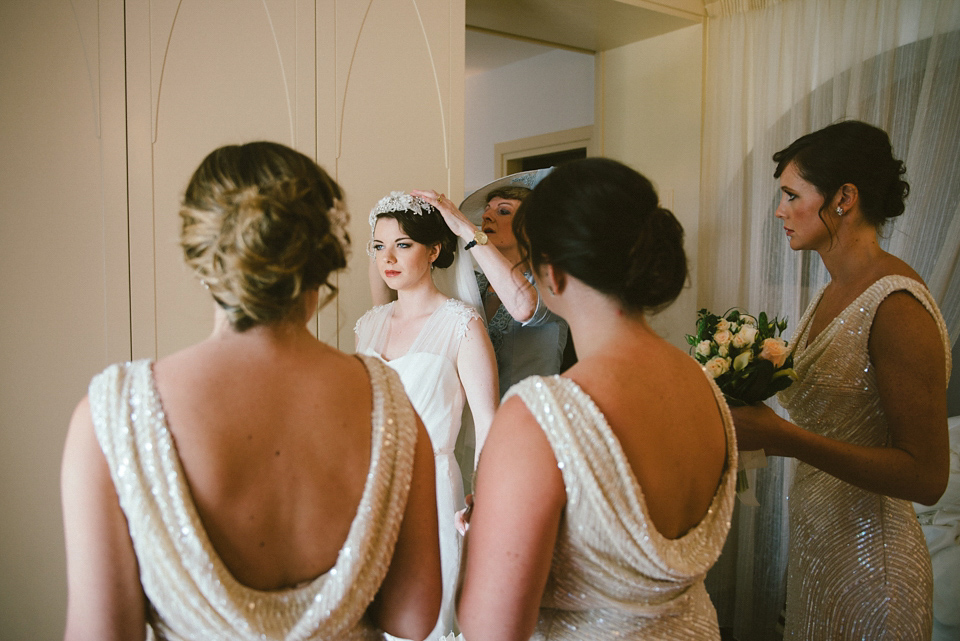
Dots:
pixel 717 366
pixel 745 337
pixel 722 337
pixel 774 350
pixel 703 348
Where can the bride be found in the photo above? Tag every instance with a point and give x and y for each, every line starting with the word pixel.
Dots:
pixel 440 348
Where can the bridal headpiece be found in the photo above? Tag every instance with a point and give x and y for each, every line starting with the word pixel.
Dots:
pixel 399 201
pixel 396 201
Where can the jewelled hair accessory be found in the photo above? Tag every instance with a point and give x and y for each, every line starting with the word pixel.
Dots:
pixel 399 201
pixel 339 219
pixel 396 201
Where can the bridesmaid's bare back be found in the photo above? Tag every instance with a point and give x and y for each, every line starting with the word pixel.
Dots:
pixel 675 443
pixel 283 436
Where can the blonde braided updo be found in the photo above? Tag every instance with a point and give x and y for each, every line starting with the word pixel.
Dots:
pixel 261 224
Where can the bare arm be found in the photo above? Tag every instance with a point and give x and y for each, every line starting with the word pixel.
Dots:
pixel 477 367
pixel 516 293
pixel 408 602
pixel 911 377
pixel 105 600
pixel 513 530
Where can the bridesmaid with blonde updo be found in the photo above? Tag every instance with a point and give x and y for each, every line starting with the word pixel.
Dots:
pixel 259 484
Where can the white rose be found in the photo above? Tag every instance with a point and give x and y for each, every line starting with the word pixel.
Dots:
pixel 745 337
pixel 723 350
pixel 722 337
pixel 742 360
pixel 722 324
pixel 747 319
pixel 703 348
pixel 717 366
pixel 774 350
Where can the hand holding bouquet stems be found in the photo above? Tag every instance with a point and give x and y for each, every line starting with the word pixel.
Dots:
pixel 744 354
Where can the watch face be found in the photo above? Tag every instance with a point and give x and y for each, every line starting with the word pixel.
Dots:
pixel 480 237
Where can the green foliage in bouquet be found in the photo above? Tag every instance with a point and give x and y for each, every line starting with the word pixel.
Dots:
pixel 745 355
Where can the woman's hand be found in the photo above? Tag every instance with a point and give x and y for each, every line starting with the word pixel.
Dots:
pixel 462 517
pixel 456 221
pixel 518 296
pixel 758 428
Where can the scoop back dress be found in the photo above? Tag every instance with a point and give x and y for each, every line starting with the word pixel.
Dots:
pixel 429 373
pixel 613 575
pixel 191 594
pixel 858 565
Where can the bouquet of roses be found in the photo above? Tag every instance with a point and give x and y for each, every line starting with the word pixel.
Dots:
pixel 750 362
pixel 745 355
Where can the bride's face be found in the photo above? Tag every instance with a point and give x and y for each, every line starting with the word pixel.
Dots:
pixel 403 263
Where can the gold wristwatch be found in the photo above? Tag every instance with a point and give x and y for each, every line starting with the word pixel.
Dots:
pixel 479 238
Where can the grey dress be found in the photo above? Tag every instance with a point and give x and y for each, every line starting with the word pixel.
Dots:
pixel 534 347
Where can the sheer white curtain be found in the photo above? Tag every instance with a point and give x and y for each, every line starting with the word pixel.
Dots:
pixel 777 69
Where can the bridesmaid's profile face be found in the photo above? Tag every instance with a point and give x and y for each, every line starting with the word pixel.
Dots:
pixel 799 209
pixel 401 261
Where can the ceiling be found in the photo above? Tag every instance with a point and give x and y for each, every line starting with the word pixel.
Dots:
pixel 533 27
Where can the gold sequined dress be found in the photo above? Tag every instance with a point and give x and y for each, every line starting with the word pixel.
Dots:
pixel 613 576
pixel 858 565
pixel 191 594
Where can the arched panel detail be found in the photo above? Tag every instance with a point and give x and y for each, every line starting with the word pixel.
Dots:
pixel 159 63
pixel 393 118
pixel 86 20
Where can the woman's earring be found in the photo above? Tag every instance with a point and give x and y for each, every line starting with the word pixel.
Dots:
pixel 550 289
pixel 839 211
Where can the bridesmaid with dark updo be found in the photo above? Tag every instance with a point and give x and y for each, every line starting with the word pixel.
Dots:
pixel 869 410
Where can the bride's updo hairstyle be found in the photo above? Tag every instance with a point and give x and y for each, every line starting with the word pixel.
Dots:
pixel 600 221
pixel 420 221
pixel 850 152
pixel 262 224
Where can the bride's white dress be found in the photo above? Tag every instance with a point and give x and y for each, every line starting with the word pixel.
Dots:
pixel 429 374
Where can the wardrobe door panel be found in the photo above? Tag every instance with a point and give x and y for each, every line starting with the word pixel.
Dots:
pixel 201 75
pixel 399 78
pixel 63 274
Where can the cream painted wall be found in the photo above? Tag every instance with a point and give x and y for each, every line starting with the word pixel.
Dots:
pixel 648 117
pixel 106 107
pixel 63 238
pixel 543 94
